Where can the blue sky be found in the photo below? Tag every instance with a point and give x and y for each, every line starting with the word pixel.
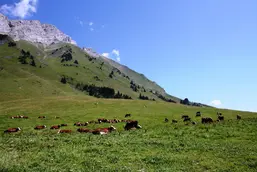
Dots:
pixel 205 50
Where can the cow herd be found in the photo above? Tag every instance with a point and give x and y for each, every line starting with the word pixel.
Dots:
pixel 130 125
pixel 204 120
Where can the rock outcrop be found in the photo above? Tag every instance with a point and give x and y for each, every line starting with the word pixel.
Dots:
pixel 32 31
pixel 91 52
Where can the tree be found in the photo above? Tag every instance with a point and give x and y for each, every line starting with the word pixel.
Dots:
pixel 76 62
pixel 63 80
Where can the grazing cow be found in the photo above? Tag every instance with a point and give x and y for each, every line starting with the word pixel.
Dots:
pixel 64 125
pixel 174 121
pixel 198 114
pixel 102 120
pixel 64 131
pixel 86 123
pixel 57 117
pixel 12 130
pixel 238 117
pixel 84 130
pixel 184 116
pixel 40 127
pixel 79 124
pixel 13 117
pixel 91 122
pixel 131 125
pixel 207 120
pixel 166 120
pixel 42 117
pixel 55 127
pixel 187 119
pixel 104 130
pixel 127 115
pixel 221 118
pixel 25 117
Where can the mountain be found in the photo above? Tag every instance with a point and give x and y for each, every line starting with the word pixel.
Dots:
pixel 32 31
pixel 39 60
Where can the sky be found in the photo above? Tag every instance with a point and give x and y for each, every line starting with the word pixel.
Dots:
pixel 203 50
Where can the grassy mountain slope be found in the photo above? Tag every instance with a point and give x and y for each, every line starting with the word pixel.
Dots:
pixel 56 61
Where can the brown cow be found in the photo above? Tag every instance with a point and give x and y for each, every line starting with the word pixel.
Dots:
pixel 84 130
pixel 12 130
pixel 198 114
pixel 221 118
pixel 132 124
pixel 25 117
pixel 207 120
pixel 79 124
pixel 127 115
pixel 187 119
pixel 40 127
pixel 41 117
pixel 174 121
pixel 102 120
pixel 65 131
pixel 184 116
pixel 55 127
pixel 238 117
pixel 64 125
pixel 104 130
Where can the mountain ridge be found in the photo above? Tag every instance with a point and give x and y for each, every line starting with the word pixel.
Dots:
pixel 53 45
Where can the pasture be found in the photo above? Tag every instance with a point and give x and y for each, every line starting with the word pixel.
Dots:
pixel 225 146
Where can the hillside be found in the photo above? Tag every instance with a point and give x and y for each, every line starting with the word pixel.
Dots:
pixel 52 63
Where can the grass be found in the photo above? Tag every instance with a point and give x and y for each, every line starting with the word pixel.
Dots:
pixel 33 91
pixel 227 146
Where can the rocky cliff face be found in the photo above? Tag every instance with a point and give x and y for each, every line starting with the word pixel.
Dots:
pixel 32 31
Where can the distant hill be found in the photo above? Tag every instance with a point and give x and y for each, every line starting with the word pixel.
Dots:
pixel 40 65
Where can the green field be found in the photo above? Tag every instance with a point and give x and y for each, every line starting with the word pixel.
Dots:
pixel 36 91
pixel 226 146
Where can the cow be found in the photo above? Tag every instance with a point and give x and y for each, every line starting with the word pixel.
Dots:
pixel 65 131
pixel 40 127
pixel 127 115
pixel 131 125
pixel 25 117
pixel 102 120
pixel 41 117
pixel 221 118
pixel 174 121
pixel 104 130
pixel 207 120
pixel 78 124
pixel 84 130
pixel 187 119
pixel 57 117
pixel 198 114
pixel 14 117
pixel 184 116
pixel 238 117
pixel 55 127
pixel 64 125
pixel 166 120
pixel 12 130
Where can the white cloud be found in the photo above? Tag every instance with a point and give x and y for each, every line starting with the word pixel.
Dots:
pixel 90 23
pixel 22 9
pixel 92 29
pixel 106 55
pixel 215 103
pixel 115 55
pixel 116 52
pixel 81 23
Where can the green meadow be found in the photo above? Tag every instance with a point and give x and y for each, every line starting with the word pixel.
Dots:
pixel 225 146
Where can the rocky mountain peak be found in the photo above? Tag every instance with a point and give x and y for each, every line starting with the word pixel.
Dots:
pixel 33 31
